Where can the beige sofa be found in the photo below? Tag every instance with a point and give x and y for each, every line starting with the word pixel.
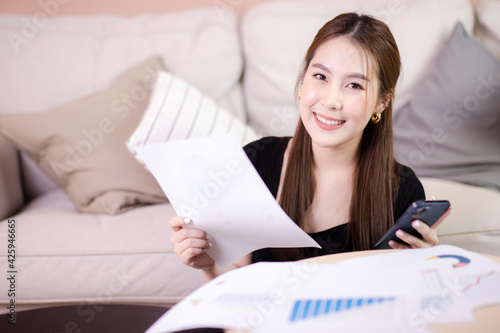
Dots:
pixel 246 63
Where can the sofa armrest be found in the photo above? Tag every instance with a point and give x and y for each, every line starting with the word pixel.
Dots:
pixel 11 193
pixel 474 220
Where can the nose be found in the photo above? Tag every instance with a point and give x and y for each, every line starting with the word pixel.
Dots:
pixel 333 98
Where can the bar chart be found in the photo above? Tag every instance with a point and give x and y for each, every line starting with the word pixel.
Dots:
pixel 308 308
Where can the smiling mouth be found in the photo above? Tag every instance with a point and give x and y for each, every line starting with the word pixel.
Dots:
pixel 328 122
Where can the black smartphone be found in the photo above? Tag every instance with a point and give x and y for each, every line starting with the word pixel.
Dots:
pixel 426 211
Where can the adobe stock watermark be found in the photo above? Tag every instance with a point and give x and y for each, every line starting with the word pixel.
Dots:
pixel 217 181
pixel 454 117
pixel 87 313
pixel 434 307
pixel 222 7
pixel 32 25
pixel 282 120
pixel 393 8
pixel 94 137
pixel 291 280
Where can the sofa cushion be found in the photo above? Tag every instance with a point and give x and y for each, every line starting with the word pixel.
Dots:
pixel 450 128
pixel 276 37
pixel 93 258
pixel 177 110
pixel 81 145
pixel 47 64
pixel 11 194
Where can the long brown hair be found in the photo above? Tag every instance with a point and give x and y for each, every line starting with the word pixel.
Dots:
pixel 376 176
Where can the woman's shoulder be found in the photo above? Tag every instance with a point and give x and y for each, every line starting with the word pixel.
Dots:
pixel 410 190
pixel 267 156
pixel 265 147
pixel 408 176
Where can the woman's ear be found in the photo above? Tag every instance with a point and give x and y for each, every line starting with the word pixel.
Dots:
pixel 300 79
pixel 384 102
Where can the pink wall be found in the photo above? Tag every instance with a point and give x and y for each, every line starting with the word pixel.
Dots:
pixel 121 7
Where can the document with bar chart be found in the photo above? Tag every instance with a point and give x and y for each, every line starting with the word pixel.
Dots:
pixel 403 291
pixel 304 309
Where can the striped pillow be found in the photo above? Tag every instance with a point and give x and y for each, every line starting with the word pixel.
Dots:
pixel 178 110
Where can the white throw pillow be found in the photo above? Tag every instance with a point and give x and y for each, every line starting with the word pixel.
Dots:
pixel 178 110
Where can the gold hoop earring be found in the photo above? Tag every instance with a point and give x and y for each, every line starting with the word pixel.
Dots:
pixel 300 92
pixel 376 117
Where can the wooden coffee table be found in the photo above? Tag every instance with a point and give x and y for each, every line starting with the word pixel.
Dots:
pixel 84 318
pixel 89 318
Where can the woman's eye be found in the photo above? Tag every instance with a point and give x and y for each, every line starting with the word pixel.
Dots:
pixel 355 86
pixel 320 76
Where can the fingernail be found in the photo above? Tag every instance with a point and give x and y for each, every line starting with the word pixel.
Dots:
pixel 416 224
pixel 391 243
pixel 209 244
pixel 187 220
pixel 400 233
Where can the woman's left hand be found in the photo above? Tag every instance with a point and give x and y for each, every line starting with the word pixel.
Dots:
pixel 429 235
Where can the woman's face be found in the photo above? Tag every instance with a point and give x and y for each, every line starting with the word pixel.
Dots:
pixel 339 94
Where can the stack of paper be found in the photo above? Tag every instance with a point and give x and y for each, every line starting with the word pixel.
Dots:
pixel 403 291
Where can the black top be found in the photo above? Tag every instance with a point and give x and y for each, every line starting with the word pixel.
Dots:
pixel 267 156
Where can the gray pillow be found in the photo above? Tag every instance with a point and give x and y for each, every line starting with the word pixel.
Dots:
pixel 451 128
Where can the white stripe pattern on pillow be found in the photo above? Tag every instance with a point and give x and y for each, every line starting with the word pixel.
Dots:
pixel 178 110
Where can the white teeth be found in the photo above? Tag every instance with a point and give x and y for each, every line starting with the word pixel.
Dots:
pixel 329 122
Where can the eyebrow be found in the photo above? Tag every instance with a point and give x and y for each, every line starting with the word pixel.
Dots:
pixel 350 75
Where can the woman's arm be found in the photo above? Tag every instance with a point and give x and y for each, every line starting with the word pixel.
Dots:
pixel 215 270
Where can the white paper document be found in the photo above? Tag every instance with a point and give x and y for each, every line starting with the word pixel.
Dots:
pixel 404 291
pixel 212 181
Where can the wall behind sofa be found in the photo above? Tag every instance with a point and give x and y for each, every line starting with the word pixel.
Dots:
pixel 120 7
pixel 123 7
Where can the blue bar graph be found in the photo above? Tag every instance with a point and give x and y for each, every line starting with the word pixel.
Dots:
pixel 309 308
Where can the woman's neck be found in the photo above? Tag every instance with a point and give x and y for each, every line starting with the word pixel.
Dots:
pixel 333 173
pixel 340 159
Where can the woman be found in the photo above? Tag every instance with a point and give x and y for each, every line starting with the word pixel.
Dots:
pixel 337 177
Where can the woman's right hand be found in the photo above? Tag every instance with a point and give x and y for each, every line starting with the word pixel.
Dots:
pixel 190 244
